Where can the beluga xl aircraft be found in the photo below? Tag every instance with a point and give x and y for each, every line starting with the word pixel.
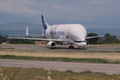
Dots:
pixel 68 34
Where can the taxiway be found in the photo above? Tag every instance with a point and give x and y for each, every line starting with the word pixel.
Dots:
pixel 63 66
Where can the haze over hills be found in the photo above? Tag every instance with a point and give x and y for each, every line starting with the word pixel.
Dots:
pixel 18 28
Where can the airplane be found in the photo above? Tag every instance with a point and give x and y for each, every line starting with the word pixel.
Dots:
pixel 68 34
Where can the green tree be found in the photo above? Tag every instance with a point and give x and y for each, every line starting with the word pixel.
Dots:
pixel 108 39
pixel 92 40
pixel 19 41
pixel 2 39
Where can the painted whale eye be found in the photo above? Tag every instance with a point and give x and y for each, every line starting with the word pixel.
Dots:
pixel 67 36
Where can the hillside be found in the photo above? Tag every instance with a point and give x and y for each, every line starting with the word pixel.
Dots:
pixel 18 28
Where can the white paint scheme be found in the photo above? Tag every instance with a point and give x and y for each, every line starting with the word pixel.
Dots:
pixel 68 33
pixel 72 32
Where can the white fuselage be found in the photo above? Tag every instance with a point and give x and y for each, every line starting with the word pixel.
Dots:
pixel 69 33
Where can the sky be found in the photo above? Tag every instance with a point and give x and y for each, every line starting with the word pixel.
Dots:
pixel 91 13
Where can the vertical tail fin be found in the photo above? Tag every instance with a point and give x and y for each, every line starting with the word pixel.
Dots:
pixel 44 24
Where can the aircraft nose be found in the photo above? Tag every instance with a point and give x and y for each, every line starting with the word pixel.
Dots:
pixel 82 44
pixel 78 33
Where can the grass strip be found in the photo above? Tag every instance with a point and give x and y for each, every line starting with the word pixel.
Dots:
pixel 11 73
pixel 88 60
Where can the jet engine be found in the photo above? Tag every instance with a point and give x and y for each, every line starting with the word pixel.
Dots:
pixel 51 44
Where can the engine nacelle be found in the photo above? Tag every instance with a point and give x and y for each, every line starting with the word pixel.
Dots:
pixel 51 44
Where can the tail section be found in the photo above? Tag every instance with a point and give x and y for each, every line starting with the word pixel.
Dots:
pixel 44 24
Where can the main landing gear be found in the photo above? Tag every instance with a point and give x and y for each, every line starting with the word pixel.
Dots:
pixel 71 47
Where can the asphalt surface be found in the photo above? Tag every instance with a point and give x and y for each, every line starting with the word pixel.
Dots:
pixel 38 47
pixel 63 66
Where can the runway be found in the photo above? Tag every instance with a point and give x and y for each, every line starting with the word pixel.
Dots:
pixel 63 66
pixel 59 48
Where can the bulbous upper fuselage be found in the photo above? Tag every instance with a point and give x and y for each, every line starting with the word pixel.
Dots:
pixel 72 33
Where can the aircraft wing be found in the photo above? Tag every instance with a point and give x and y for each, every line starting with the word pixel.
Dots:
pixel 40 39
pixel 94 37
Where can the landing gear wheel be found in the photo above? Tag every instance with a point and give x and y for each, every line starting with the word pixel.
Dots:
pixel 53 47
pixel 71 47
pixel 82 48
